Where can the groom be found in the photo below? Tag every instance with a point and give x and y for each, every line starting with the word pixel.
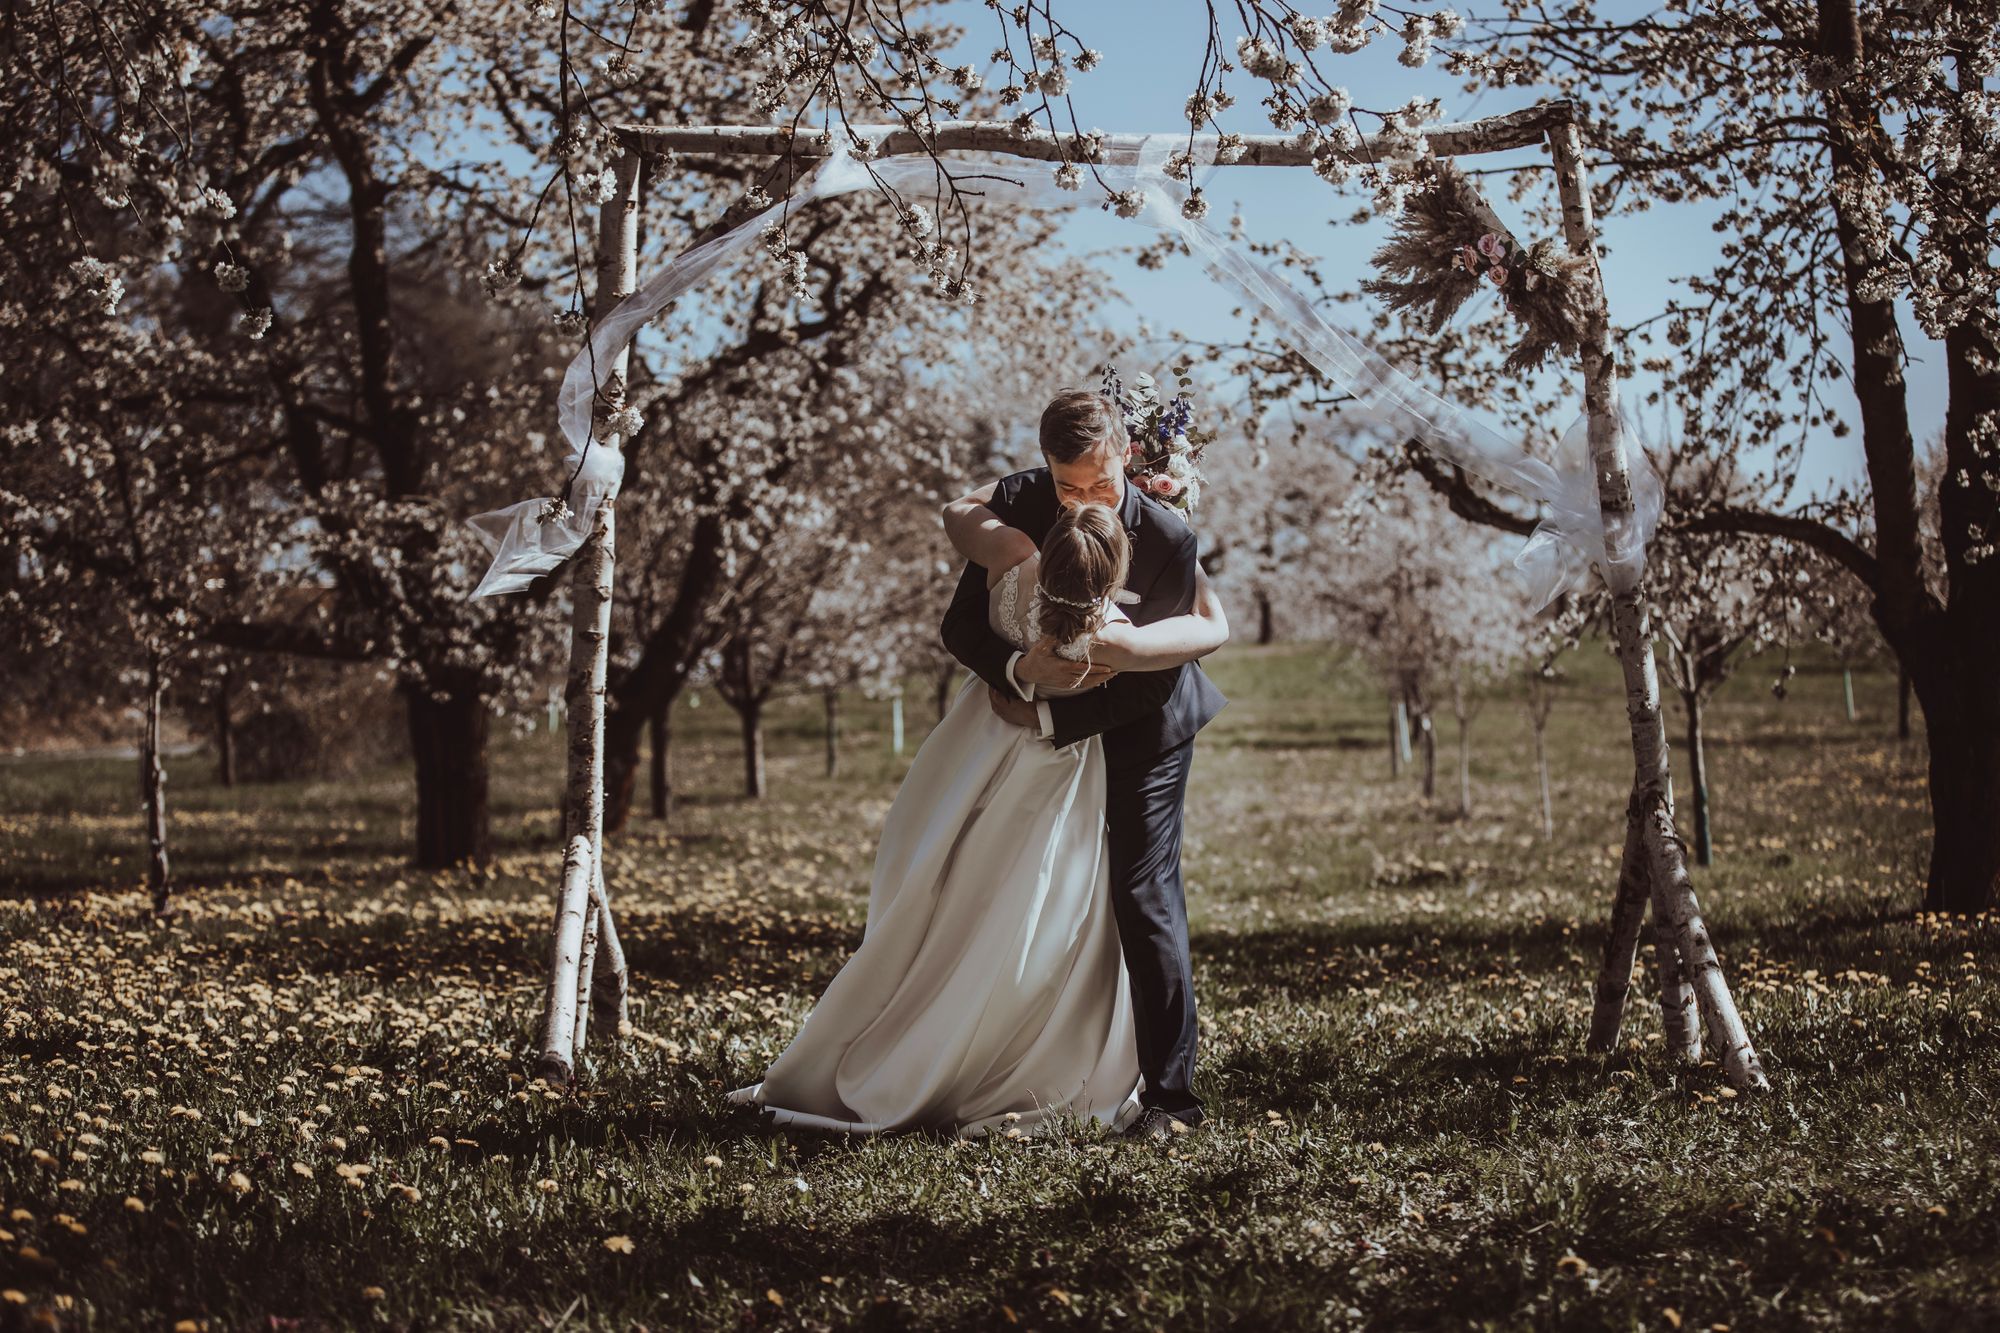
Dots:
pixel 1147 718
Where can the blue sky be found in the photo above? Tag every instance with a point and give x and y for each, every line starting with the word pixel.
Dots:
pixel 1152 52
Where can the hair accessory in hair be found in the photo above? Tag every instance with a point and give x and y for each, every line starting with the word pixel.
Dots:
pixel 1071 603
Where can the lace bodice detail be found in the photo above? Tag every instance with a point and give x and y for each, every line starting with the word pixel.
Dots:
pixel 1016 615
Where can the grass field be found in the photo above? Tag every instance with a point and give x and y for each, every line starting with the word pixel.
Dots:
pixel 304 1104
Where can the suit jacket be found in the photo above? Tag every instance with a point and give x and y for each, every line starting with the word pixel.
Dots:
pixel 1140 714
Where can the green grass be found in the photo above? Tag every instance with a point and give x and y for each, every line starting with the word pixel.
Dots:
pixel 1407 1131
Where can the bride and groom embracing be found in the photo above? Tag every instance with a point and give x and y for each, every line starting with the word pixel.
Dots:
pixel 1026 953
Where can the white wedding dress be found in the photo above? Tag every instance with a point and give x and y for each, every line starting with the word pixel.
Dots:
pixel 989 991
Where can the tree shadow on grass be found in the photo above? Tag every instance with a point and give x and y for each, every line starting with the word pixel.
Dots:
pixel 1316 957
pixel 1316 740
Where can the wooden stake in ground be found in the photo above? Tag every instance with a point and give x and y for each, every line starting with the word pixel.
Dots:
pixel 1661 857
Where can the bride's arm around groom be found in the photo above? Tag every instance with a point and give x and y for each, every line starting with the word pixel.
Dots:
pixel 1179 617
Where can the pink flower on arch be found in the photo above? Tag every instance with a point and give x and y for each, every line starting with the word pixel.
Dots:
pixel 1492 246
pixel 1497 276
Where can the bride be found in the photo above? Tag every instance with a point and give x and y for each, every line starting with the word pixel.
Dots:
pixel 989 990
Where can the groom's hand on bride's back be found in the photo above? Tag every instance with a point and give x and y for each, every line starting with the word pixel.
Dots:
pixel 1040 666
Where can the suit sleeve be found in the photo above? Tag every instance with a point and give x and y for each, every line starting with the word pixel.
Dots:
pixel 1133 694
pixel 967 634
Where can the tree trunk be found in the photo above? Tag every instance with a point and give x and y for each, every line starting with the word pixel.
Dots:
pixel 1464 768
pixel 1704 849
pixel 1967 877
pixel 153 788
pixel 1430 743
pixel 832 701
pixel 1847 688
pixel 1961 704
pixel 947 677
pixel 659 771
pixel 1265 631
pixel 448 739
pixel 751 714
pixel 1398 737
pixel 1902 702
pixel 225 730
pixel 1948 650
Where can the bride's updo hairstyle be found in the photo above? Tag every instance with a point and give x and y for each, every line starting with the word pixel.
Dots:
pixel 1084 561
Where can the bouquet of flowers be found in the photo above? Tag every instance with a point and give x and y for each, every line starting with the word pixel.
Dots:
pixel 1165 445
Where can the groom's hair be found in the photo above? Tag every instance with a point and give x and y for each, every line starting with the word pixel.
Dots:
pixel 1077 421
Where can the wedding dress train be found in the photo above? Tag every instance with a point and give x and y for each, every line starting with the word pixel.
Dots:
pixel 989 990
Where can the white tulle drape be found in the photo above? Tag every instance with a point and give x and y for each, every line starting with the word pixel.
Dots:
pixel 1568 541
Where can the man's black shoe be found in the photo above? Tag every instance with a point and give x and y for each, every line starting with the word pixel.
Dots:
pixel 1156 1125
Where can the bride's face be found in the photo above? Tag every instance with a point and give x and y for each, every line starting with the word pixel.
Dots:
pixel 1096 478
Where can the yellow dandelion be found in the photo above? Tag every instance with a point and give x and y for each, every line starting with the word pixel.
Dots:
pixel 13 1297
pixel 300 1168
pixel 73 1185
pixel 711 1161
pixel 135 1205
pixel 239 1182
pixel 153 1157
pixel 372 1293
pixel 547 1186
pixel 619 1244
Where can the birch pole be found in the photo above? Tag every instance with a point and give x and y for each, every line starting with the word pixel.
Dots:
pixel 559 1007
pixel 1662 861
pixel 597 977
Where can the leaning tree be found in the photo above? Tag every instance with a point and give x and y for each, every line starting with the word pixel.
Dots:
pixel 1867 136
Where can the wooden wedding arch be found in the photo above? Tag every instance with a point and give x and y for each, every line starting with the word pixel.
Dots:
pixel 587 968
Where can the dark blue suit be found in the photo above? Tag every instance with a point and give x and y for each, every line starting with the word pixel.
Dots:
pixel 1148 720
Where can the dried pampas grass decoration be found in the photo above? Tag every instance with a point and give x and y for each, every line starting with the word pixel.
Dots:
pixel 1448 239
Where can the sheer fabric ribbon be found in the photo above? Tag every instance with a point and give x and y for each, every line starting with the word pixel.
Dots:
pixel 1569 539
